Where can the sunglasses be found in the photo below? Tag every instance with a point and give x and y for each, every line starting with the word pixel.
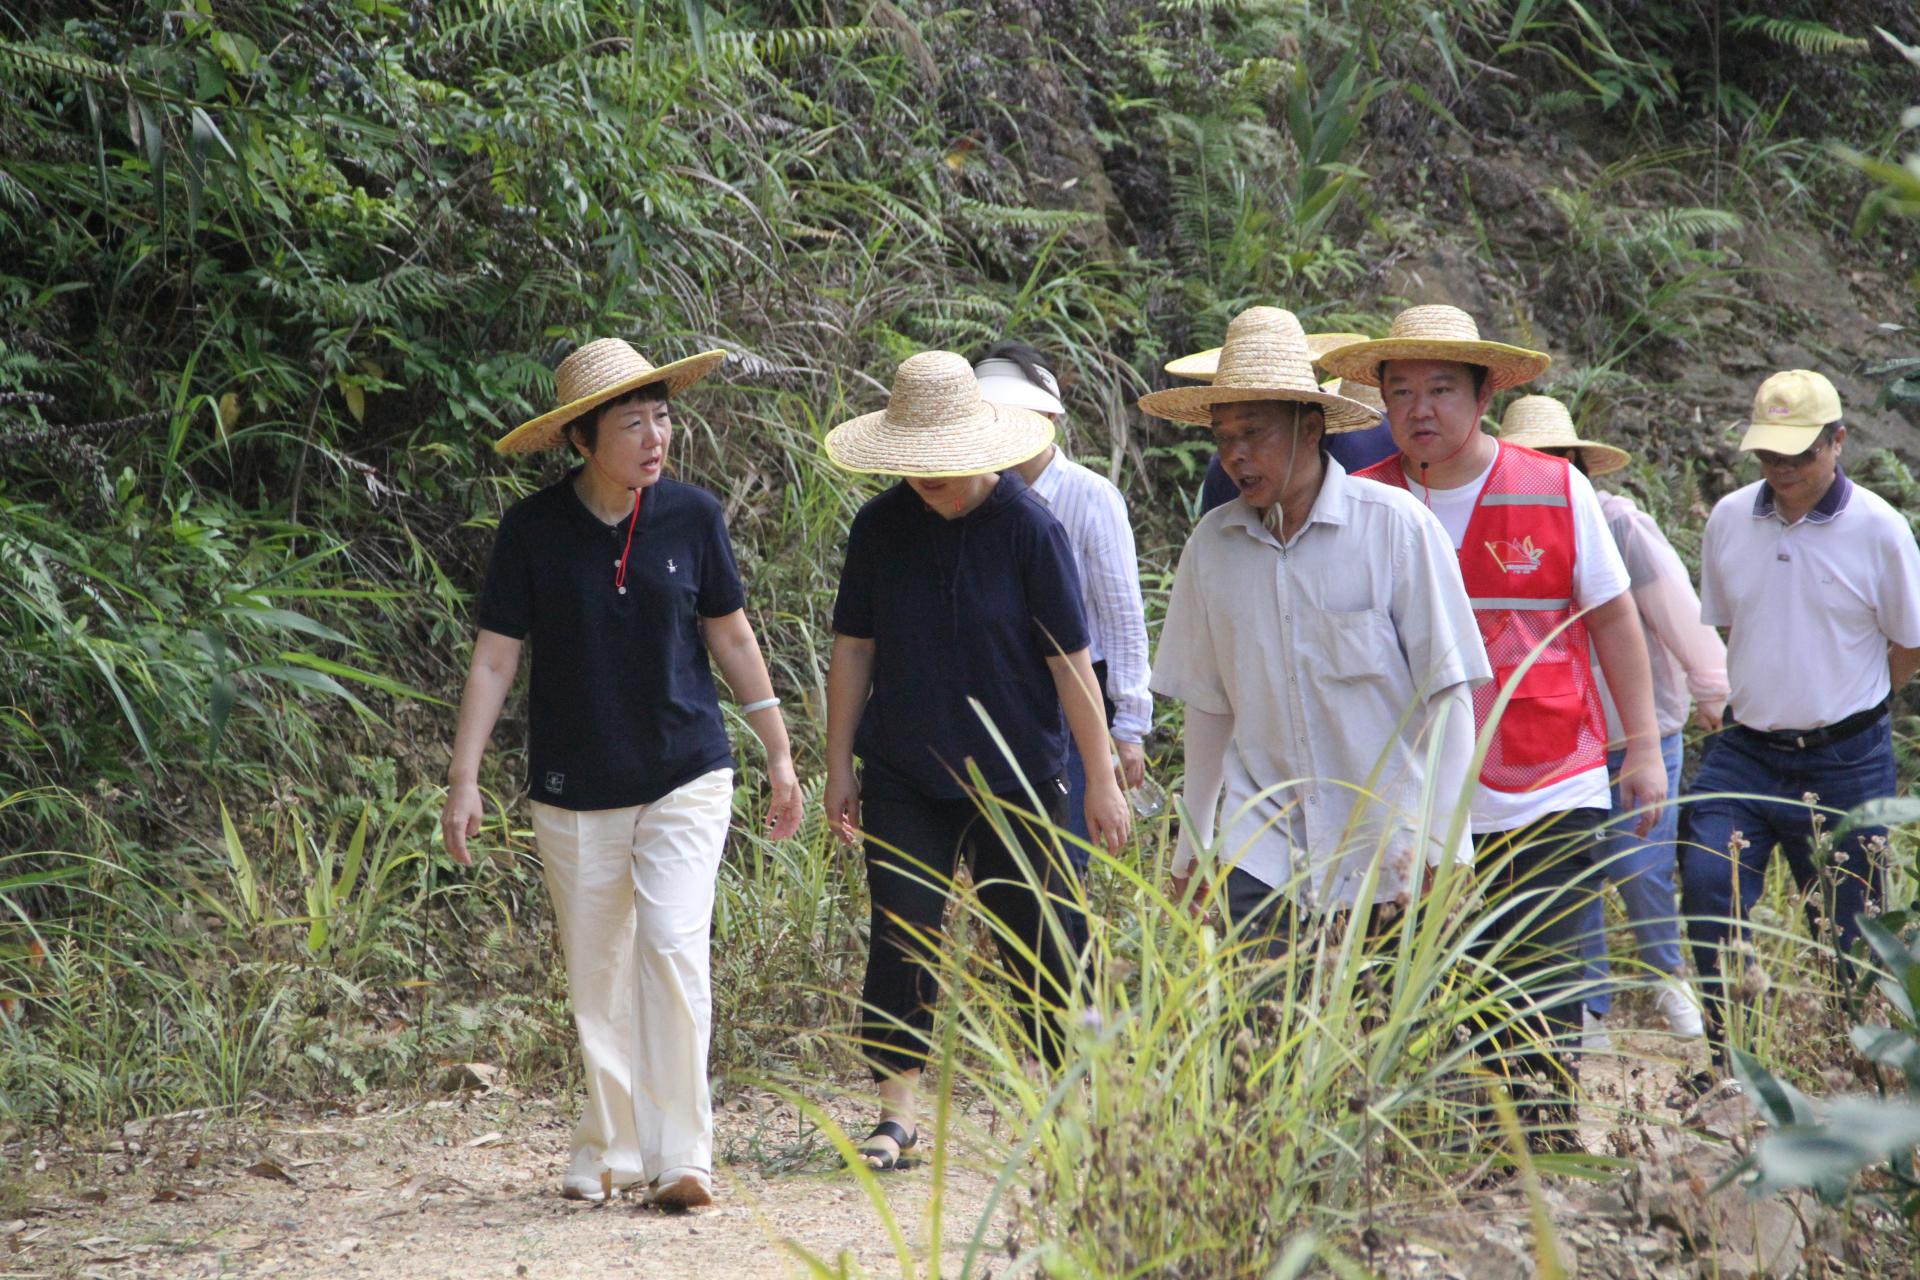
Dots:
pixel 1783 461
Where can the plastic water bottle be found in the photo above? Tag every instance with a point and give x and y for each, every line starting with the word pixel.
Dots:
pixel 1147 799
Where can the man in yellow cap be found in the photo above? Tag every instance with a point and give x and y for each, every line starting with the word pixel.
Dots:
pixel 1818 584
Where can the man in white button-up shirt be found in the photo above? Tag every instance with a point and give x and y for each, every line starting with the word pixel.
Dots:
pixel 1322 642
pixel 1818 583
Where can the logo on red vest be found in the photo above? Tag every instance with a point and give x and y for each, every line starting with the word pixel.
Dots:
pixel 1517 557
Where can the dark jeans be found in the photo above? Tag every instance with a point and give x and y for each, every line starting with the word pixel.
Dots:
pixel 1550 878
pixel 1747 786
pixel 910 889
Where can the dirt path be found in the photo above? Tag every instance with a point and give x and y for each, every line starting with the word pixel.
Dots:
pixel 465 1186
pixel 449 1188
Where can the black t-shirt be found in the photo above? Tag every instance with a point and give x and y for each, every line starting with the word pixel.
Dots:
pixel 957 610
pixel 622 707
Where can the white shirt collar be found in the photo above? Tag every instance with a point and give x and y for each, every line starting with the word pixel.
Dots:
pixel 1330 505
pixel 1047 483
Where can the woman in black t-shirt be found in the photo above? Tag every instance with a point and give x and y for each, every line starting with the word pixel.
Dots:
pixel 623 581
pixel 959 591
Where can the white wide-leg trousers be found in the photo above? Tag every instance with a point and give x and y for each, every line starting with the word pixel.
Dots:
pixel 633 898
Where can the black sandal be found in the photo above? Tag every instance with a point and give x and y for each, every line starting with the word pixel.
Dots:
pixel 890 1160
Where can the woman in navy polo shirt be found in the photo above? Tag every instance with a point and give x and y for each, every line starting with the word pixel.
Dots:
pixel 624 582
pixel 959 590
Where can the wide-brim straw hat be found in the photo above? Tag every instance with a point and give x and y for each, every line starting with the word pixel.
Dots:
pixel 603 370
pixel 1265 358
pixel 1541 422
pixel 937 424
pixel 1357 392
pixel 1437 332
pixel 1201 365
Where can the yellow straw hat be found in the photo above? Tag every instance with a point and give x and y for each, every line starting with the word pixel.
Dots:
pixel 1265 358
pixel 1541 422
pixel 603 370
pixel 1200 366
pixel 937 424
pixel 1436 332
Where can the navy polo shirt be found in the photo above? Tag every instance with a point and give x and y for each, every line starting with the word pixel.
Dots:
pixel 961 609
pixel 622 707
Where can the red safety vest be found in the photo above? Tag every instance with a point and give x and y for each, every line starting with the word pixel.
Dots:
pixel 1517 563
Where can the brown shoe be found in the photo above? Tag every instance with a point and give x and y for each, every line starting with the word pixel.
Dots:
pixel 678 1190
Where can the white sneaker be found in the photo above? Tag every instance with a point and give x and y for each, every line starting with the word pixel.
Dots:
pixel 678 1190
pixel 1593 1035
pixel 1680 1007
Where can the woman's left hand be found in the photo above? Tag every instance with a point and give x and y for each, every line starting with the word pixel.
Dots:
pixel 1109 821
pixel 785 807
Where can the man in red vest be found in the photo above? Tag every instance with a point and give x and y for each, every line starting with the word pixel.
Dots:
pixel 1544 577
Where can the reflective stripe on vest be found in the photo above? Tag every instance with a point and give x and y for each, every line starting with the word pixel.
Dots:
pixel 1553 727
pixel 1519 602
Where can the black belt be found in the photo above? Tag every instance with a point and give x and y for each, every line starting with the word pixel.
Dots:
pixel 1808 739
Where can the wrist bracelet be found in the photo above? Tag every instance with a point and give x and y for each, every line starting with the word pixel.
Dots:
pixel 761 705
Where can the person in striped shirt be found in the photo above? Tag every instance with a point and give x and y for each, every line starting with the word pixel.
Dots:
pixel 1094 514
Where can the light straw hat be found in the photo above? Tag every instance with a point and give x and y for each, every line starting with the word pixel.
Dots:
pixel 1436 332
pixel 1790 410
pixel 1359 392
pixel 1541 422
pixel 936 424
pixel 1005 382
pixel 603 370
pixel 1265 358
pixel 1200 366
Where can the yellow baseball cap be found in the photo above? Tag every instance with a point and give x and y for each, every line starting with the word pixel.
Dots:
pixel 1789 410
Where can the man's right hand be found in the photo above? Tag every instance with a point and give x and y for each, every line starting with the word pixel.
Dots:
pixel 460 820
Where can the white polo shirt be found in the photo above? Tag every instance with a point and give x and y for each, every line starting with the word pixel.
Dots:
pixel 1811 604
pixel 1325 651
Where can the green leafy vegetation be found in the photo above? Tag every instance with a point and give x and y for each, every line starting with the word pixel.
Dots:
pixel 276 274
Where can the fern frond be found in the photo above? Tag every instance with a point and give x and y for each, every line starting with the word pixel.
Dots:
pixel 1803 34
pixel 50 66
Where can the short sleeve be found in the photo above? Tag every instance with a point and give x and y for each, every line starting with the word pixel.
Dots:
pixel 1054 598
pixel 1431 610
pixel 506 597
pixel 721 591
pixel 1897 606
pixel 1715 609
pixel 1186 667
pixel 853 606
pixel 1599 575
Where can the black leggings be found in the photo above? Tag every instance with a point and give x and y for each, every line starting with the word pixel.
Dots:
pixel 910 890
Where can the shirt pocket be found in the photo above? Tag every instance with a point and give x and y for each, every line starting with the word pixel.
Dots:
pixel 1542 721
pixel 1354 645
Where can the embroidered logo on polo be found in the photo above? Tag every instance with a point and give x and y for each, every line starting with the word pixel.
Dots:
pixel 672 567
pixel 555 782
pixel 1517 557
